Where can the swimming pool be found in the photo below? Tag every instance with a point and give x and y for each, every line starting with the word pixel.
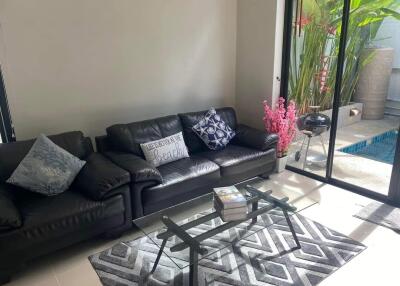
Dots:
pixel 380 148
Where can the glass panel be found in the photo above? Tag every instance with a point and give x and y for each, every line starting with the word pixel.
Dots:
pixel 369 116
pixel 314 55
pixel 189 211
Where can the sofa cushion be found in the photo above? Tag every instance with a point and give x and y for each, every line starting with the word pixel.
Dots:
pixel 182 176
pixel 235 159
pixel 11 154
pixel 100 177
pixel 46 219
pixel 139 169
pixel 214 131
pixel 128 137
pixel 9 215
pixel 193 142
pixel 47 168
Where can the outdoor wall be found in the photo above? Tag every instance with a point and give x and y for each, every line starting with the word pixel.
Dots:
pixel 259 52
pixel 87 64
pixel 394 86
pixel 390 37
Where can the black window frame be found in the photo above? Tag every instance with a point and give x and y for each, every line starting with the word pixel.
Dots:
pixel 6 127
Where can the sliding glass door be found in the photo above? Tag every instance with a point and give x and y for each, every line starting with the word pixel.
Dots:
pixel 341 67
pixel 369 116
pixel 312 74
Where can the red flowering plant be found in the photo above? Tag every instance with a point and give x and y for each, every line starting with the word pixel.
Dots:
pixel 282 121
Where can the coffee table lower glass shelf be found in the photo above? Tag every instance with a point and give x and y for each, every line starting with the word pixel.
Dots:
pixel 192 231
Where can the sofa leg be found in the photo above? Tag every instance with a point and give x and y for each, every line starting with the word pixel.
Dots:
pixel 265 176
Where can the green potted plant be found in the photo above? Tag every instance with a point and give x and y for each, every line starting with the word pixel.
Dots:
pixel 315 48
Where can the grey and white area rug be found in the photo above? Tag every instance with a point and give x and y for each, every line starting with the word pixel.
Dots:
pixel 262 258
pixel 381 214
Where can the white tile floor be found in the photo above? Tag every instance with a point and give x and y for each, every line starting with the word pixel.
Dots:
pixel 377 265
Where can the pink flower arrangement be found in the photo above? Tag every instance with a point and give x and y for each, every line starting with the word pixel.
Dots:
pixel 281 121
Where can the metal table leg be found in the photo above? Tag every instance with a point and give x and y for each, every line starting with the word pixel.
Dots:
pixel 159 255
pixel 254 207
pixel 289 222
pixel 194 268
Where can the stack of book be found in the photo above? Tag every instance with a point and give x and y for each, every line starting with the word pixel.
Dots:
pixel 230 203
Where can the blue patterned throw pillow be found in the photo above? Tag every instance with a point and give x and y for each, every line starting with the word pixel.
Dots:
pixel 214 132
pixel 47 168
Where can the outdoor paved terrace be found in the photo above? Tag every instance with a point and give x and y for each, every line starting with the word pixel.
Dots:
pixel 357 170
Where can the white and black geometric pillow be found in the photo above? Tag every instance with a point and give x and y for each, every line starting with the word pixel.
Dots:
pixel 214 132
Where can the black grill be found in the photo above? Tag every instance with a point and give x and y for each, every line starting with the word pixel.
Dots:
pixel 314 122
pixel 311 125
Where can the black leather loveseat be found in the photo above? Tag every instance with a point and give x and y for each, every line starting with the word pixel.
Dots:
pixel 251 153
pixel 98 202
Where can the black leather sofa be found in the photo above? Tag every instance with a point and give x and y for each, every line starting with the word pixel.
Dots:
pixel 251 153
pixel 98 202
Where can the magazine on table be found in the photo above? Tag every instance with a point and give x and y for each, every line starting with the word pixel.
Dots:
pixel 230 197
pixel 233 217
pixel 231 211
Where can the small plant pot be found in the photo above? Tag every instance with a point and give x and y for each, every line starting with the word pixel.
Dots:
pixel 281 164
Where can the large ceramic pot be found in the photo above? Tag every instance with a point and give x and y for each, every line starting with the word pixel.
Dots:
pixel 373 84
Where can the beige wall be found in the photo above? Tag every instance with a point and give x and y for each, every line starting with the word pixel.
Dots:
pixel 259 50
pixel 87 64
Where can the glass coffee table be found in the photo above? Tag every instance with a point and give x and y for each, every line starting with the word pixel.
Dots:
pixel 192 231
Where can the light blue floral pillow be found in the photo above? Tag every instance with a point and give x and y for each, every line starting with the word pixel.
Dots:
pixel 47 168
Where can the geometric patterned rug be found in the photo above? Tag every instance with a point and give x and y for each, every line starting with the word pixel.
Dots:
pixel 263 258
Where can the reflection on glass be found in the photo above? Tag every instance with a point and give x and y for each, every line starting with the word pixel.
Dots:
pixel 314 52
pixel 368 131
pixel 368 120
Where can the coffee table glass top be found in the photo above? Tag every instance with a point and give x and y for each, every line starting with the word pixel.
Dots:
pixel 185 215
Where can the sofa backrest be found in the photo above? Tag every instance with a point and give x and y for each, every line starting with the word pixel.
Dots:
pixel 128 137
pixel 11 154
pixel 193 142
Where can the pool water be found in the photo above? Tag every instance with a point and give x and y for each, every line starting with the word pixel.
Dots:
pixel 380 148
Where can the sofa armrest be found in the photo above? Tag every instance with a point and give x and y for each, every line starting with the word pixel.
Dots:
pixel 254 138
pixel 100 176
pixel 139 169
pixel 10 216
